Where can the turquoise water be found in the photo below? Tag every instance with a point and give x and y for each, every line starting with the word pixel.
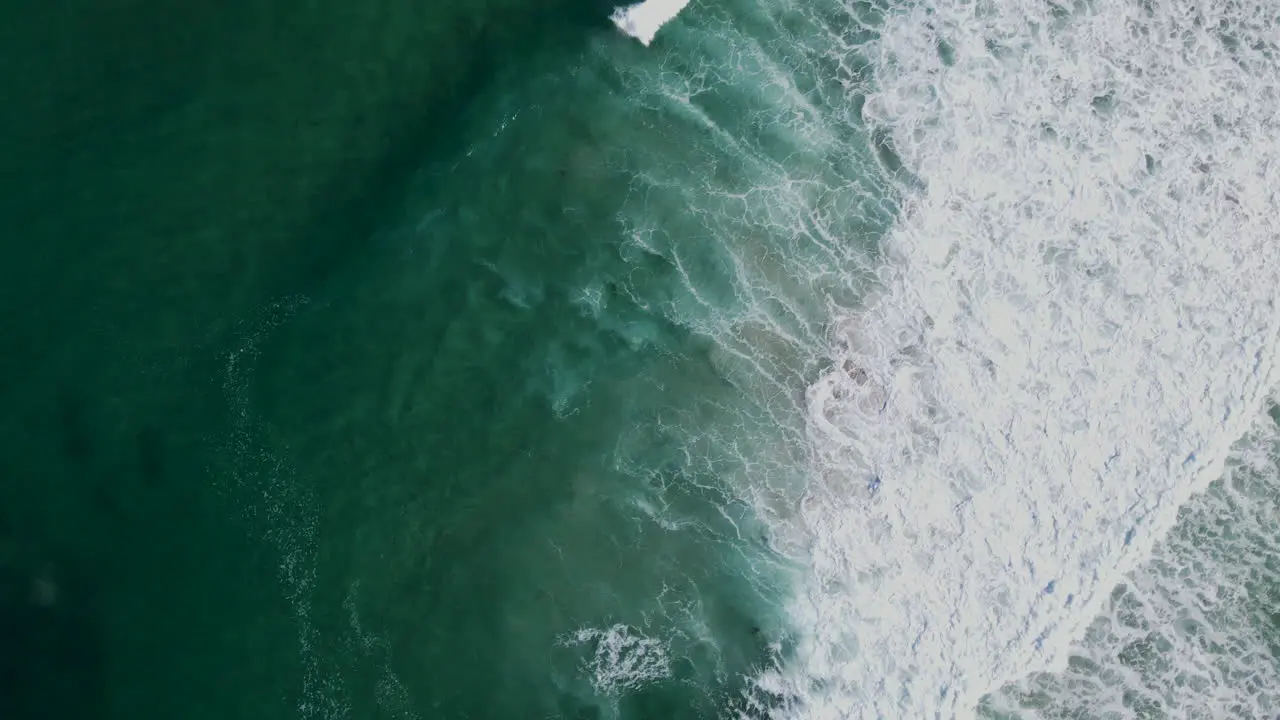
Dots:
pixel 478 362
pixel 531 356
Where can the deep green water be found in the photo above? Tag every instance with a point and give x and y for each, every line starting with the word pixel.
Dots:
pixel 286 450
pixel 169 171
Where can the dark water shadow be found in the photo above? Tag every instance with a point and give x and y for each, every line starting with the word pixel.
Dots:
pixel 51 645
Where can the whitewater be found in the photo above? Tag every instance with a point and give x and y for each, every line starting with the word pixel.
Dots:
pixel 643 20
pixel 1075 321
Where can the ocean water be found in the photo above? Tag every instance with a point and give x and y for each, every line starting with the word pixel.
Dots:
pixel 787 360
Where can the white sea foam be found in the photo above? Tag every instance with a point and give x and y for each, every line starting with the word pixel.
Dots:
pixel 1189 634
pixel 643 20
pixel 622 658
pixel 1079 318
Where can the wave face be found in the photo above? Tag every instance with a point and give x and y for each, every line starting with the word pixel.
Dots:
pixel 826 360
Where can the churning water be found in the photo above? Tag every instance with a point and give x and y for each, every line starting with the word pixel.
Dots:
pixel 829 360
